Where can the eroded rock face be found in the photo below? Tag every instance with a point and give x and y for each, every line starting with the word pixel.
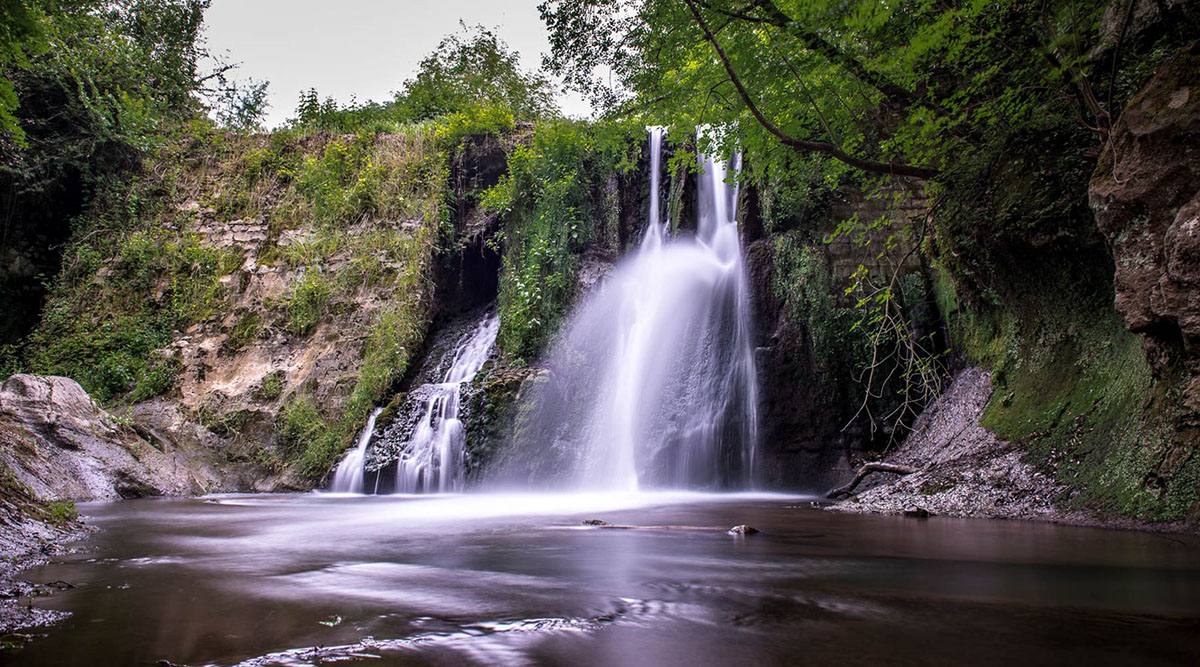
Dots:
pixel 1146 196
pixel 57 442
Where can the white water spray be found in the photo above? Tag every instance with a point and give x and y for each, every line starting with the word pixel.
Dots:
pixel 349 475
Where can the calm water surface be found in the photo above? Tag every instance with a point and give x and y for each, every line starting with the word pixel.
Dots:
pixel 498 580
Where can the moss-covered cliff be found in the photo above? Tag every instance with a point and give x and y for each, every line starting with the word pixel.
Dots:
pixel 259 293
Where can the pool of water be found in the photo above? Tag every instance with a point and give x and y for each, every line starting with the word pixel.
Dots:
pixel 518 579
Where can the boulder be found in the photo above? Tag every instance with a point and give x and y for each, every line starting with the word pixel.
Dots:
pixel 59 444
pixel 1146 196
pixel 743 529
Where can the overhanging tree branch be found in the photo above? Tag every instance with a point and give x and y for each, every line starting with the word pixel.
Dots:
pixel 826 148
pixel 815 42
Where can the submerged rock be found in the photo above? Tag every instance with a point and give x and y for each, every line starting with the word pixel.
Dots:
pixel 743 529
pixel 594 522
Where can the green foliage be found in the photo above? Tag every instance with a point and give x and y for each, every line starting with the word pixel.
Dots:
pixel 300 428
pixel 475 69
pixel 471 84
pixel 271 388
pixel 327 115
pixel 117 73
pixel 307 303
pixel 367 177
pixel 62 512
pixel 918 83
pixel 802 283
pixel 548 204
pixel 240 106
pixel 246 330
pixel 126 284
pixel 157 378
pixel 22 34
pixel 474 120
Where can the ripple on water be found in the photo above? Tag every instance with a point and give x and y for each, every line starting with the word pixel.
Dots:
pixel 484 642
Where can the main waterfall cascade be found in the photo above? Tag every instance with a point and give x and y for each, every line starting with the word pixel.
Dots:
pixel 430 458
pixel 653 383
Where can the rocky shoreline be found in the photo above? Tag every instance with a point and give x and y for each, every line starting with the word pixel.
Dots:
pixel 25 542
pixel 960 469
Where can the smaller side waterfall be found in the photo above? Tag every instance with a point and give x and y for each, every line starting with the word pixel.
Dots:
pixel 432 459
pixel 349 475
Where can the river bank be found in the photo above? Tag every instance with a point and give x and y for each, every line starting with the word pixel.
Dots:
pixel 952 466
pixel 26 542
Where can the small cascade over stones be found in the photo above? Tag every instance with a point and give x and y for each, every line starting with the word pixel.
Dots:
pixel 424 449
pixel 349 475
pixel 652 384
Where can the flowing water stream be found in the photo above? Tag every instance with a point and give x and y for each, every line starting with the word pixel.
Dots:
pixel 485 579
pixel 348 478
pixel 432 461
pixel 430 457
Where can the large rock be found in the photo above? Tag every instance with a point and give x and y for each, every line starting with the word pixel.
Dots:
pixel 1146 196
pixel 57 442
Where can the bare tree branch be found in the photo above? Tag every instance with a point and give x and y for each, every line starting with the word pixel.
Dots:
pixel 867 469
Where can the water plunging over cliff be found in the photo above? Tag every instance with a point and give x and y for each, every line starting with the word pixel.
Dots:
pixel 349 475
pixel 425 450
pixel 653 383
pixel 431 461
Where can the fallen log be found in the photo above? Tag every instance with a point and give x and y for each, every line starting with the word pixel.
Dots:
pixel 867 469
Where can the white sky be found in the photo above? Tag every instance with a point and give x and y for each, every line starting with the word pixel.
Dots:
pixel 364 48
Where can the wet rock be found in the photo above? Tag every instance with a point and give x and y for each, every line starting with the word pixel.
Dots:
pixel 917 513
pixel 743 529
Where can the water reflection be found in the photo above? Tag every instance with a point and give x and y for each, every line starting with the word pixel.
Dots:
pixel 264 580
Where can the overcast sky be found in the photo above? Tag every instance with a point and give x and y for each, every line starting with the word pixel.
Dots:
pixel 361 48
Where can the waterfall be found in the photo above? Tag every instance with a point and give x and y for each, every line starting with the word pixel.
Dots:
pixel 431 461
pixel 653 383
pixel 349 475
pixel 656 229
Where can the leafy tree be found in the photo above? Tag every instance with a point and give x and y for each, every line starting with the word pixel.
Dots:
pixel 903 88
pixel 475 68
pixel 92 86
pixel 21 36
pixel 240 105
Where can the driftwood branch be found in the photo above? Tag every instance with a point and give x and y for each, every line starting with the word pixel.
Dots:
pixel 867 469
